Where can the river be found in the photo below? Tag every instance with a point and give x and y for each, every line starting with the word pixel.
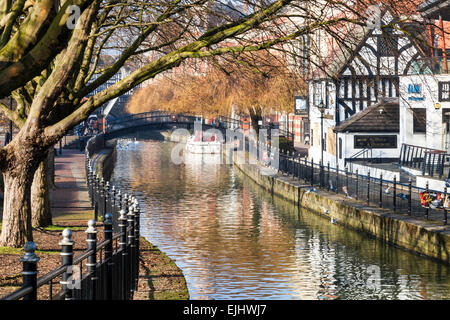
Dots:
pixel 233 240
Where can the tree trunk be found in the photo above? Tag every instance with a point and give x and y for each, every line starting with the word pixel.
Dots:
pixel 22 158
pixel 16 225
pixel 41 215
pixel 51 168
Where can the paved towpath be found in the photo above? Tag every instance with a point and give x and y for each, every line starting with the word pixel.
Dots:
pixel 70 199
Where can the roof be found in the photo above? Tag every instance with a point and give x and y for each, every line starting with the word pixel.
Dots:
pixel 433 8
pixel 342 50
pixel 372 120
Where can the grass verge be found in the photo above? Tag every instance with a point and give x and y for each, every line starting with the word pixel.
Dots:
pixel 159 276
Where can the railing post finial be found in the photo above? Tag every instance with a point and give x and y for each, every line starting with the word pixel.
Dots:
pixel 108 234
pixel 92 259
pixel 67 260
pixel 29 270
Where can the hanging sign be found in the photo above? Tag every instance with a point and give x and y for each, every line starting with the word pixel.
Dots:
pixel 300 105
pixel 375 142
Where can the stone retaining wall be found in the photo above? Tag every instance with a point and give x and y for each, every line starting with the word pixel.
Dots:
pixel 426 238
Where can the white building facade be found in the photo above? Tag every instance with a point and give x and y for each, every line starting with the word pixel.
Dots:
pixel 352 81
pixel 425 99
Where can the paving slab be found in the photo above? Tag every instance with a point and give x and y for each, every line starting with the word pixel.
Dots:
pixel 70 199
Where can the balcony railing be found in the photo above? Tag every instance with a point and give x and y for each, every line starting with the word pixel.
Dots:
pixel 432 162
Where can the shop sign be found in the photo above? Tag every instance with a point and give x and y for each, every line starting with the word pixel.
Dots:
pixel 415 92
pixel 375 142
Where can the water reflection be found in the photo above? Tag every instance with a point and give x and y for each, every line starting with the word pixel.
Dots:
pixel 234 241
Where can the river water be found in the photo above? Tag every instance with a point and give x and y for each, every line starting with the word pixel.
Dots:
pixel 233 240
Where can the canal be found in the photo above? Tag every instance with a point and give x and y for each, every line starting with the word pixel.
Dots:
pixel 233 240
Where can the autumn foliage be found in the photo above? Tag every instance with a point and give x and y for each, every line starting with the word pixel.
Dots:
pixel 247 90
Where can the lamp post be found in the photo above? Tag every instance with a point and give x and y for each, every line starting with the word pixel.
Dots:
pixel 322 107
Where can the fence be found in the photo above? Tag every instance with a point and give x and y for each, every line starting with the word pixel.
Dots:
pixel 105 271
pixel 389 194
pixel 431 162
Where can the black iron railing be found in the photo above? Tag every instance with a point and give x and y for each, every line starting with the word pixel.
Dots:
pixel 390 194
pixel 365 154
pixel 161 117
pixel 105 271
pixel 431 162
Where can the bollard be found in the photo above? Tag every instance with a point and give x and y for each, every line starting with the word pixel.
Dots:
pixel 132 246
pixel 29 270
pixel 124 258
pixel 91 263
pixel 108 234
pixel 67 260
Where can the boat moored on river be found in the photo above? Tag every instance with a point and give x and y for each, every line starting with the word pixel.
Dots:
pixel 204 142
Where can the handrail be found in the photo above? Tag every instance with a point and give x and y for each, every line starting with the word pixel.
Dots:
pixel 164 117
pixel 128 248
pixel 361 152
pixel 20 293
pixel 374 190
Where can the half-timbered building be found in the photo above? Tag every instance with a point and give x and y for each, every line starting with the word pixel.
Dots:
pixel 359 69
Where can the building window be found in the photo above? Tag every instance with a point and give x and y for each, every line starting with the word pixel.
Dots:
pixel 388 44
pixel 419 120
pixel 312 137
pixel 444 91
pixel 340 148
